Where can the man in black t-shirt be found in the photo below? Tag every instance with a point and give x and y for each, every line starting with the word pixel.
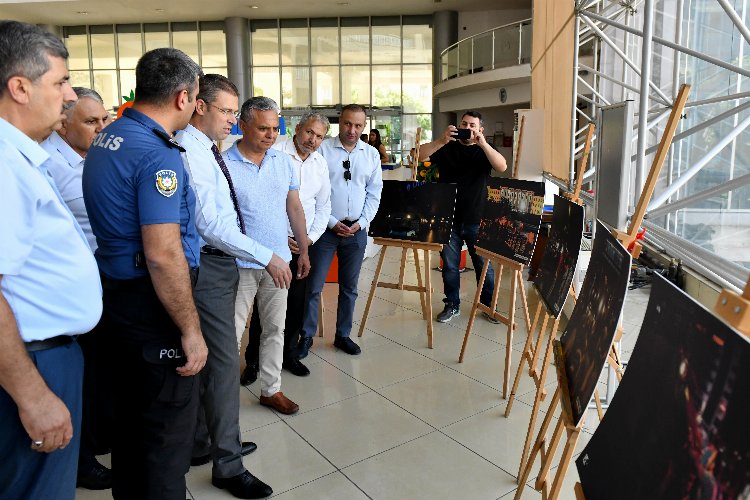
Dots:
pixel 467 163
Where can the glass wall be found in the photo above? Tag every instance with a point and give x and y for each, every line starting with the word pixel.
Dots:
pixel 103 57
pixel 383 63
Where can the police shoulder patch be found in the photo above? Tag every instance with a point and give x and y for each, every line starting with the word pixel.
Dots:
pixel 166 182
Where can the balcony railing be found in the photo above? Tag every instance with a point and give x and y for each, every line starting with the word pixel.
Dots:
pixel 507 45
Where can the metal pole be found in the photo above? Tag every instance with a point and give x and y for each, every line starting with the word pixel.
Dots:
pixel 736 19
pixel 648 29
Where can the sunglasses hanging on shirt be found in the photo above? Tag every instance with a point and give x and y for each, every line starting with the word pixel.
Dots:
pixel 347 174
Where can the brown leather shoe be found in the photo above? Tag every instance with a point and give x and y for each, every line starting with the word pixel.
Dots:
pixel 280 403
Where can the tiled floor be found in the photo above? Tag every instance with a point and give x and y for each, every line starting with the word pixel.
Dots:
pixel 400 421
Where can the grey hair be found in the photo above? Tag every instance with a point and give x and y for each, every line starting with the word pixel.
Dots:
pixel 258 103
pixel 314 115
pixel 162 73
pixel 82 92
pixel 24 51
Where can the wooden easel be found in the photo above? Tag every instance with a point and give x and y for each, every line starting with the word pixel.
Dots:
pixel 517 156
pixel 734 309
pixel 516 286
pixel 425 291
pixel 628 240
pixel 575 196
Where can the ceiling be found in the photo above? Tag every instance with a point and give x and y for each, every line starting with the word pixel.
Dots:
pixel 76 12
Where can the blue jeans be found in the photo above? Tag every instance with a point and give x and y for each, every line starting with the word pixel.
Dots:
pixel 451 255
pixel 350 251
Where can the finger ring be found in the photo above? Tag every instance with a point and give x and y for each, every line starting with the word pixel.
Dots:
pixel 38 444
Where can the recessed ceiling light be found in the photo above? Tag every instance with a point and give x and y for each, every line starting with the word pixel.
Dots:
pixel 253 6
pixel 342 3
pixel 159 10
pixel 82 12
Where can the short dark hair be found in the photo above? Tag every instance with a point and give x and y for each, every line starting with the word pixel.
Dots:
pixel 474 114
pixel 258 103
pixel 161 73
pixel 355 108
pixel 24 49
pixel 211 84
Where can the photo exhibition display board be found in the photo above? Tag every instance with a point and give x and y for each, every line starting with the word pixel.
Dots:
pixel 677 426
pixel 511 218
pixel 558 265
pixel 583 347
pixel 415 211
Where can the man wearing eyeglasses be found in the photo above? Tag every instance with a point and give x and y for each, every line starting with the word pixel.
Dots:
pixel 356 184
pixel 222 231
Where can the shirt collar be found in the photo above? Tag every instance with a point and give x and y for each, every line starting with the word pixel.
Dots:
pixel 233 153
pixel 73 158
pixel 143 119
pixel 199 136
pixel 34 153
pixel 289 148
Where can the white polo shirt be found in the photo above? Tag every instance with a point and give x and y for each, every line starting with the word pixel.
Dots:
pixel 314 189
pixel 50 277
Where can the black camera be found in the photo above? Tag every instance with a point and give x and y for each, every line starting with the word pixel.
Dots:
pixel 463 133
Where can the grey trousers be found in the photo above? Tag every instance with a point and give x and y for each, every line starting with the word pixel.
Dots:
pixel 218 429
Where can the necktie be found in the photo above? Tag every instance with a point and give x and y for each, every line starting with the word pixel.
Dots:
pixel 232 194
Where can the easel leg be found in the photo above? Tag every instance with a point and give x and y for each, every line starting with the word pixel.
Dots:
pixel 402 270
pixel 562 469
pixel 428 296
pixel 549 454
pixel 525 470
pixel 474 306
pixel 511 324
pixel 526 356
pixel 419 283
pixel 598 402
pixel 372 290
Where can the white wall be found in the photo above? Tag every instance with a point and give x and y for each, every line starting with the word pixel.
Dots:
pixel 471 23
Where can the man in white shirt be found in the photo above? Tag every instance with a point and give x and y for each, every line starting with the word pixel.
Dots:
pixel 221 227
pixel 67 148
pixel 356 185
pixel 315 195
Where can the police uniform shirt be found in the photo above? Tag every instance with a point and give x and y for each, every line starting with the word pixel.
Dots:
pixel 66 168
pixel 50 278
pixel 215 217
pixel 134 176
pixel 357 199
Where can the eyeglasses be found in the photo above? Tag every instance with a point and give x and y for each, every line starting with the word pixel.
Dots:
pixel 347 174
pixel 228 113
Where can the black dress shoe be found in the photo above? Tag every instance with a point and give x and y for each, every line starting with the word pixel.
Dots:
pixel 303 348
pixel 347 345
pixel 247 448
pixel 244 485
pixel 249 375
pixel 96 477
pixel 295 367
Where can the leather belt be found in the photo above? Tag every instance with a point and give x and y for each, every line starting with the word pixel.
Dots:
pixel 209 250
pixel 50 343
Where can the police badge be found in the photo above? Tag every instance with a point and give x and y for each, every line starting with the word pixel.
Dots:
pixel 166 182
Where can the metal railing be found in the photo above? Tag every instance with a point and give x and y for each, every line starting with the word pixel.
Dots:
pixel 506 45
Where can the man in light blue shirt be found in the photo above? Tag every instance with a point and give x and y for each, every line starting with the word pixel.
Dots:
pixel 356 184
pixel 221 228
pixel 267 189
pixel 67 148
pixel 49 283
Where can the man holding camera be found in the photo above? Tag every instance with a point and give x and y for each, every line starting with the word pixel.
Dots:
pixel 465 158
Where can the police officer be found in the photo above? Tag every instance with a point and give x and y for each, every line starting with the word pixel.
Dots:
pixel 141 208
pixel 49 285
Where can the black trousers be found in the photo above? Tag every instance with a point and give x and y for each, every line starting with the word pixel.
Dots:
pixel 155 408
pixel 97 424
pixel 295 310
